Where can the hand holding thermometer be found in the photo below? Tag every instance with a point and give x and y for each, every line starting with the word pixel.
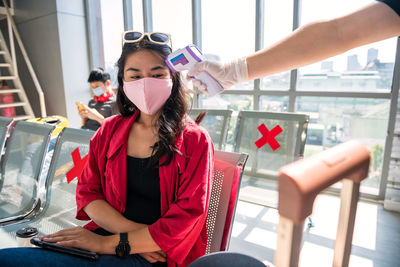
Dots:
pixel 185 59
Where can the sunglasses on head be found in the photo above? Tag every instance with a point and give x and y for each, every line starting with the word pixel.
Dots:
pixel 154 37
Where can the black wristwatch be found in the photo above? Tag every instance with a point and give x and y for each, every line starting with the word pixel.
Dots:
pixel 123 249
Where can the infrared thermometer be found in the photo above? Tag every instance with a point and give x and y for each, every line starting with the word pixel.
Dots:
pixel 185 58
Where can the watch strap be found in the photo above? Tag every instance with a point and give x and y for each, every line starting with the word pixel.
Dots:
pixel 123 248
pixel 123 237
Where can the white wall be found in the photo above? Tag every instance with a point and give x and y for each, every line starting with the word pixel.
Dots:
pixel 54 35
pixel 74 56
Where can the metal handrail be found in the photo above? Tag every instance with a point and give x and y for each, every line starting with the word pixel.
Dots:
pixel 27 61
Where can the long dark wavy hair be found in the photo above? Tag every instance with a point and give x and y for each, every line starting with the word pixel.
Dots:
pixel 170 122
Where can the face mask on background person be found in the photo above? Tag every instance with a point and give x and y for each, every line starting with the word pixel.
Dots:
pixel 148 94
pixel 98 91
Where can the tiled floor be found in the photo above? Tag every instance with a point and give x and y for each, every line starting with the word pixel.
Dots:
pixel 376 239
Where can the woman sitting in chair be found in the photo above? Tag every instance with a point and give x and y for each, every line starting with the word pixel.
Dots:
pixel 147 182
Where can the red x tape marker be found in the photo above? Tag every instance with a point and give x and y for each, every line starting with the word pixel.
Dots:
pixel 79 163
pixel 268 136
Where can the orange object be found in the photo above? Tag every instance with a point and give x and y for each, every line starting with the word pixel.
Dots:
pixel 80 106
pixel 6 99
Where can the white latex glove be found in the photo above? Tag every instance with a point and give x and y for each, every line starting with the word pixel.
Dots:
pixel 227 74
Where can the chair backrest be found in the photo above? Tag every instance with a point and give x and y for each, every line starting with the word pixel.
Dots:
pixel 300 183
pixel 58 204
pixel 217 123
pixel 21 168
pixel 228 169
pixel 5 123
pixel 263 161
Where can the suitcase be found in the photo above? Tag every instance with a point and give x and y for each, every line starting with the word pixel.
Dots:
pixel 300 182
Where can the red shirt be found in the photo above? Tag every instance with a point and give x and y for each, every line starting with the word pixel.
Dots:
pixel 185 186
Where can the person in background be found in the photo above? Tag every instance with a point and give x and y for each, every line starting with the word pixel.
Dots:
pixel 103 103
pixel 309 44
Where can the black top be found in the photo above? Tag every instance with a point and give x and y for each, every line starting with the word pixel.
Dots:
pixel 393 4
pixel 143 191
pixel 106 109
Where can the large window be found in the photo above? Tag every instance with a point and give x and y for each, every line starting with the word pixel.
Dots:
pixel 274 103
pixel 137 13
pixel 337 120
pixel 113 27
pixel 347 96
pixel 278 24
pixel 228 35
pixel 365 69
pixel 177 21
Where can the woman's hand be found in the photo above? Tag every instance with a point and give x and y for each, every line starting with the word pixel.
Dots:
pixel 153 257
pixel 78 237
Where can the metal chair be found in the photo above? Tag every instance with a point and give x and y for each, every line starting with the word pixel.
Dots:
pixel 228 170
pixel 21 168
pixel 217 123
pixel 5 123
pixel 264 162
pixel 57 203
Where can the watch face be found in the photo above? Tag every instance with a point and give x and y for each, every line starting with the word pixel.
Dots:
pixel 123 249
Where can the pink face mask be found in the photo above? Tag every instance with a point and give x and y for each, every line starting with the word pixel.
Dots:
pixel 148 94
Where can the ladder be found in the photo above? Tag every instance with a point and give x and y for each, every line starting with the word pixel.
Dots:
pixel 9 71
pixel 7 74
